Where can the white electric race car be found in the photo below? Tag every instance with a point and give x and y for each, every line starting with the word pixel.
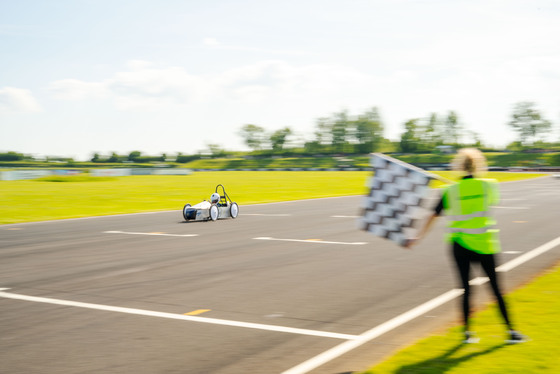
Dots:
pixel 219 206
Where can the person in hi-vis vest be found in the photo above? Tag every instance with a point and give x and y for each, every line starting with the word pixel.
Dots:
pixel 472 231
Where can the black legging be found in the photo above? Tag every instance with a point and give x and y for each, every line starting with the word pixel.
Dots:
pixel 463 258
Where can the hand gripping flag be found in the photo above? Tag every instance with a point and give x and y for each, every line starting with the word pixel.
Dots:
pixel 397 191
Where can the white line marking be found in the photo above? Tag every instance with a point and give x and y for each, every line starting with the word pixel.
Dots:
pixel 345 347
pixel 183 317
pixel 511 252
pixel 373 333
pixel 529 255
pixel 267 215
pixel 147 233
pixel 310 241
pixel 90 217
pixel 478 281
pixel 345 216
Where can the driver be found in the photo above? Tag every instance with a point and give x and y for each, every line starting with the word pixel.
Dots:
pixel 215 199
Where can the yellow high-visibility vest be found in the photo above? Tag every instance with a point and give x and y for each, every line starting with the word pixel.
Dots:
pixel 467 206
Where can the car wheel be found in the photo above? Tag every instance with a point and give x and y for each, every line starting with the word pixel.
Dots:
pixel 234 210
pixel 185 211
pixel 214 212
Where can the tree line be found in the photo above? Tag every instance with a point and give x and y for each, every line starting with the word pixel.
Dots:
pixel 342 133
pixel 364 133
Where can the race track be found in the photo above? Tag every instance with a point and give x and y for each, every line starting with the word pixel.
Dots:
pixel 285 288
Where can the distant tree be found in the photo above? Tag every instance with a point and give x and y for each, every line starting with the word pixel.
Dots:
pixel 134 156
pixel 452 128
pixel 409 139
pixel 216 150
pixel 323 133
pixel 114 158
pixel 181 158
pixel 278 138
pixel 95 157
pixel 340 131
pixel 528 122
pixel 368 131
pixel 253 136
pixel 433 133
pixel 11 156
pixel 515 146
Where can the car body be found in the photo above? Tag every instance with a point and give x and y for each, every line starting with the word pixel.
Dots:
pixel 212 211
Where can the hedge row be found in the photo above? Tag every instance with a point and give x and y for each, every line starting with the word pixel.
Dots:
pixel 321 162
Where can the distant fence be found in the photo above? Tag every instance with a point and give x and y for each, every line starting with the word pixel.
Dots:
pixel 13 175
pixel 121 172
pixel 109 172
pixel 137 171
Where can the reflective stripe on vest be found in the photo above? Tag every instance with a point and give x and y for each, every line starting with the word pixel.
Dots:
pixel 466 217
pixel 482 230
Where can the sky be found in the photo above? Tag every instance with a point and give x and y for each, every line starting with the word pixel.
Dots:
pixel 100 76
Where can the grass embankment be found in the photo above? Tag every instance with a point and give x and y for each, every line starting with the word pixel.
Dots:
pixel 536 309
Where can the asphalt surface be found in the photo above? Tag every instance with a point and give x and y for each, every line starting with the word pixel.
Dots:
pixel 266 292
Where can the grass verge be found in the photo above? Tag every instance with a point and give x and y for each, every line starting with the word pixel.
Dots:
pixel 536 309
pixel 84 196
pixel 37 200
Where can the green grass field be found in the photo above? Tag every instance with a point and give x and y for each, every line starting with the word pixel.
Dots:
pixel 82 196
pixel 536 308
pixel 49 198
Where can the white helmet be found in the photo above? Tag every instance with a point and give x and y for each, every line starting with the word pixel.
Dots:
pixel 214 198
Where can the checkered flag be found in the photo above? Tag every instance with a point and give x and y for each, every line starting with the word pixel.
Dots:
pixel 397 191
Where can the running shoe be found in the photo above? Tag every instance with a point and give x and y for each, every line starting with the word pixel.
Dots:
pixel 470 338
pixel 516 337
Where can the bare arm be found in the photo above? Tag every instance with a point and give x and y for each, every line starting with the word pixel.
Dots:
pixel 423 231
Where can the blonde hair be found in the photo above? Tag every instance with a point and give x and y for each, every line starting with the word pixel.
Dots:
pixel 469 161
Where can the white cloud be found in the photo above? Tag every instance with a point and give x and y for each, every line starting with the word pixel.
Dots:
pixel 141 86
pixel 74 90
pixel 17 100
pixel 211 42
pixel 145 86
